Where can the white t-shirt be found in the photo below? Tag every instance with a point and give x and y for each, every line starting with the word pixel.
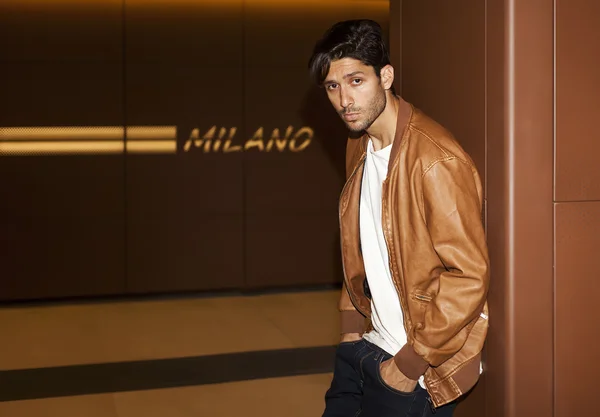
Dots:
pixel 386 313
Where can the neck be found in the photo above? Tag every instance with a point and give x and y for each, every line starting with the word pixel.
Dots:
pixel 383 131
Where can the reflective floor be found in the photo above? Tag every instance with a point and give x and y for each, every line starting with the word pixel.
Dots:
pixel 264 355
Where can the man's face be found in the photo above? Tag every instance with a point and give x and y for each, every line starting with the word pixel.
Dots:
pixel 356 93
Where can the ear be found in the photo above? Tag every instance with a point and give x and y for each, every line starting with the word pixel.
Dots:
pixel 387 76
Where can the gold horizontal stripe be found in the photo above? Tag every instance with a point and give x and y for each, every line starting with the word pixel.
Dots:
pixel 151 146
pixel 63 133
pixel 60 147
pixel 151 132
pixel 75 147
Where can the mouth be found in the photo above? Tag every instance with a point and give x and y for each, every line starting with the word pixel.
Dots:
pixel 351 117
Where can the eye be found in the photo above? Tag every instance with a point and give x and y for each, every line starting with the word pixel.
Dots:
pixel 332 86
pixel 356 81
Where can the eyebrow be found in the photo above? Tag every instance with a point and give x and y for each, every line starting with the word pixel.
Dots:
pixel 352 74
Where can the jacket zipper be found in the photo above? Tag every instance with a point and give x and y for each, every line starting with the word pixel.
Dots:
pixel 390 257
pixel 398 285
pixel 350 292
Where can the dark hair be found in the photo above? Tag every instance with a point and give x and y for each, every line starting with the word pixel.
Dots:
pixel 358 39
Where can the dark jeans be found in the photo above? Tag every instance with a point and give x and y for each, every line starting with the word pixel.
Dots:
pixel 357 388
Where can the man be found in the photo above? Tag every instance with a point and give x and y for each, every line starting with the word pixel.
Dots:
pixel 413 305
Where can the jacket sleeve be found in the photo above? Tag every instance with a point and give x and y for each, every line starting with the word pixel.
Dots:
pixel 452 212
pixel 352 321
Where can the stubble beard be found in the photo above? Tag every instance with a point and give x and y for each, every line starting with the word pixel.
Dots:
pixel 375 108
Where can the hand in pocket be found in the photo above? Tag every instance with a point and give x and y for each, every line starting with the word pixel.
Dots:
pixel 394 378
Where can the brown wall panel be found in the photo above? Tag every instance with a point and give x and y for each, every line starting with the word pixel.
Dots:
pixel 520 216
pixel 61 216
pixel 181 33
pixel 292 249
pixel 529 117
pixel 497 159
pixel 62 227
pixel 577 225
pixel 61 94
pixel 185 208
pixel 578 102
pixel 443 67
pixel 396 42
pixel 187 250
pixel 577 326
pixel 61 31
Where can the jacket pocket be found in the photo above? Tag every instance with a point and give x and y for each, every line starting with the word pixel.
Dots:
pixel 421 296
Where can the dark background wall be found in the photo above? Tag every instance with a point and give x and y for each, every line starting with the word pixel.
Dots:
pixel 125 210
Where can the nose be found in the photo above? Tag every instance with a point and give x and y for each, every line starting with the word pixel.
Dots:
pixel 346 99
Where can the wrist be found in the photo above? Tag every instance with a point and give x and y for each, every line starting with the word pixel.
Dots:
pixel 350 337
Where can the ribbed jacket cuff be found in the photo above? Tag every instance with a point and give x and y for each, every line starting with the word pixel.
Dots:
pixel 352 322
pixel 410 363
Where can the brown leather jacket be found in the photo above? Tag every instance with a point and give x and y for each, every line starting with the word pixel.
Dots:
pixel 431 215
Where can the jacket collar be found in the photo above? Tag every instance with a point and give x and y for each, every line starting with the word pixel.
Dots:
pixel 403 119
